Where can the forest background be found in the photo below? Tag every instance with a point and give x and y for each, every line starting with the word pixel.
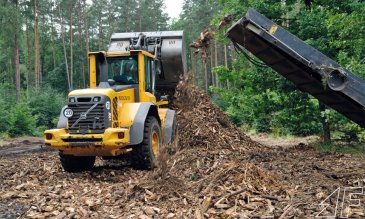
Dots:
pixel 44 46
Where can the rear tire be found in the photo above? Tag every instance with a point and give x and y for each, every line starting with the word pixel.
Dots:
pixel 144 155
pixel 75 164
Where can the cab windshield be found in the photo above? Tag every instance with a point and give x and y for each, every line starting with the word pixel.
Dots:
pixel 123 70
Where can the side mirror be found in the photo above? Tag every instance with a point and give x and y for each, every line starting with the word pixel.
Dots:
pixel 111 82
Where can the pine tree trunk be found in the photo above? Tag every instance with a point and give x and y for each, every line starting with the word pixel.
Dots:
pixel 41 55
pixel 36 47
pixel 325 125
pixel 110 21
pixel 211 63
pixel 126 16
pixel 233 54
pixel 71 48
pixel 64 50
pixel 204 60
pixel 53 42
pixel 29 78
pixel 225 56
pixel 11 75
pixel 86 29
pixel 100 28
pixel 17 68
pixel 226 63
pixel 81 55
pixel 86 36
pixel 192 64
pixel 140 15
pixel 16 61
pixel 216 61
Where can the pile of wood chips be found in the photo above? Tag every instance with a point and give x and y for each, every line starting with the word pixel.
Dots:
pixel 202 124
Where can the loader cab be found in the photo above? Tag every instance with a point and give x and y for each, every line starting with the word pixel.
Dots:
pixel 132 69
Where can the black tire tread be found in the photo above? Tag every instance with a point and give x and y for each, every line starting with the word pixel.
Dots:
pixel 142 155
pixel 75 164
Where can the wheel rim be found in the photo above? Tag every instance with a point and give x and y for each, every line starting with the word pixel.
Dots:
pixel 155 143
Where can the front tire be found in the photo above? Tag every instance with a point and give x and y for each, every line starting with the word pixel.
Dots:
pixel 75 164
pixel 144 155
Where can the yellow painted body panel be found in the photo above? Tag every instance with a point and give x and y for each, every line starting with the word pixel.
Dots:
pixel 56 142
pixel 144 96
pixel 141 81
pixel 110 145
pixel 128 112
pixel 92 64
pixel 148 97
pixel 126 96
pixel 161 103
pixel 93 91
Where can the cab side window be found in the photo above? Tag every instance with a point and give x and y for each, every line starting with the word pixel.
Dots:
pixel 148 74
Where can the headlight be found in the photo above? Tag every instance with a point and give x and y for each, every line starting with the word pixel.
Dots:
pixel 96 99
pixel 72 99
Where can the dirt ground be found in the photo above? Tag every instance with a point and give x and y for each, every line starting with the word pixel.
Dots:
pixel 20 145
pixel 283 142
pixel 215 172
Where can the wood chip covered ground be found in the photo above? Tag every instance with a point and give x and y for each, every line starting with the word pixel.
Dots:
pixel 214 172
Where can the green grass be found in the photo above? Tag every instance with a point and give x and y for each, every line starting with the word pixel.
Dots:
pixel 343 147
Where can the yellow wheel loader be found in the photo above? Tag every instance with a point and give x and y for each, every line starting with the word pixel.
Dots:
pixel 122 111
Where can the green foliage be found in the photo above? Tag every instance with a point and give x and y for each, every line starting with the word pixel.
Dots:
pixel 261 99
pixel 57 79
pixel 34 114
pixel 45 105
pixel 20 121
pixel 7 100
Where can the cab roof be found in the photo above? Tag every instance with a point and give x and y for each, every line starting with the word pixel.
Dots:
pixel 128 53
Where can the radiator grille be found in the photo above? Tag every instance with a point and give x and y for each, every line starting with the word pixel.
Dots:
pixel 94 121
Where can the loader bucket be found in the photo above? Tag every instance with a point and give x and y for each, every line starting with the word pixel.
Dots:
pixel 170 51
pixel 309 69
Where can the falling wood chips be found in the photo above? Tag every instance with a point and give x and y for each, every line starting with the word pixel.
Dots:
pixel 215 172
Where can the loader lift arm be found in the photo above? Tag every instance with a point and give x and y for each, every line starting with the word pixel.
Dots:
pixel 310 70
